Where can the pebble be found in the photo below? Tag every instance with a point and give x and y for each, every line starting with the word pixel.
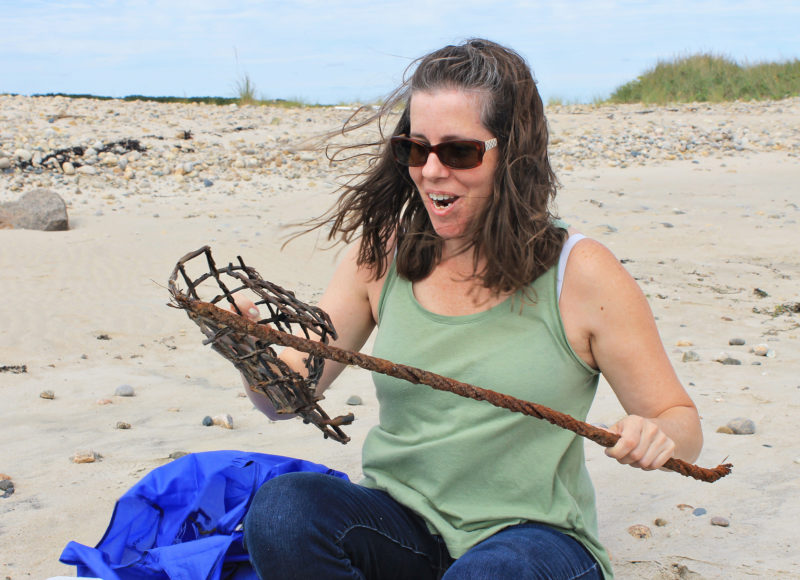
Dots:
pixel 47 395
pixel 6 486
pixel 86 456
pixel 741 426
pixel 5 163
pixel 763 350
pixel 224 421
pixel 699 511
pixel 684 343
pixel 354 400
pixel 68 168
pixel 640 531
pixel 124 391
pixel 690 356
pixel 105 402
pixel 178 454
pixel 727 360
pixel 660 522
pixel 208 421
pixel 720 521
pixel 123 425
pixel 736 341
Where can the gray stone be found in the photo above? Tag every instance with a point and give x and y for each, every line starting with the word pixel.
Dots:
pixel 690 356
pixel 742 426
pixel 720 521
pixel 5 163
pixel 354 400
pixel 736 341
pixel 39 209
pixel 124 391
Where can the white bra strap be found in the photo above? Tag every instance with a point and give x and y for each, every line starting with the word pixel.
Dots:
pixel 562 260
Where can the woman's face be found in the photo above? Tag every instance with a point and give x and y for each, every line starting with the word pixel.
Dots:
pixel 452 197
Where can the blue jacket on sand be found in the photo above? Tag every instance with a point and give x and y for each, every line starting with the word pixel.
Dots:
pixel 183 520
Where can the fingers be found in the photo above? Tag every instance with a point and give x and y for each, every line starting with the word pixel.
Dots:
pixel 642 443
pixel 247 307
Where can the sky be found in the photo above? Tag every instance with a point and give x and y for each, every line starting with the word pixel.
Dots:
pixel 345 51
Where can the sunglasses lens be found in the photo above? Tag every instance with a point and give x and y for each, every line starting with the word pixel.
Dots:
pixel 460 154
pixel 407 152
pixel 453 154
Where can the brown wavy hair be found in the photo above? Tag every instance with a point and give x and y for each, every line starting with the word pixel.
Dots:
pixel 516 241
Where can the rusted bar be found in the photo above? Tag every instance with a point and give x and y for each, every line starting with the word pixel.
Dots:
pixel 241 324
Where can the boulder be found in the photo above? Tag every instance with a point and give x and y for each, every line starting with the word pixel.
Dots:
pixel 39 209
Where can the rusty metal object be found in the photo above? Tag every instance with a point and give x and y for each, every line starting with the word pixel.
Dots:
pixel 232 324
pixel 287 390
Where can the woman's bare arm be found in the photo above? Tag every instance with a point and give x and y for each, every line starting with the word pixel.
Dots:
pixel 617 334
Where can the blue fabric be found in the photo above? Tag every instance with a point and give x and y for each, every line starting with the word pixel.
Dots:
pixel 182 520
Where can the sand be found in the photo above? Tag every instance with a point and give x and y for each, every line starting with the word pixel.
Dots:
pixel 86 311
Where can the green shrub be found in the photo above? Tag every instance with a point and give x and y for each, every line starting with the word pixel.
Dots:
pixel 706 77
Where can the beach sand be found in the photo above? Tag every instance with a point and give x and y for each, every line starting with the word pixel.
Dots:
pixel 700 202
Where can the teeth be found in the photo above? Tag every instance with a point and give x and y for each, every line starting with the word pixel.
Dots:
pixel 440 197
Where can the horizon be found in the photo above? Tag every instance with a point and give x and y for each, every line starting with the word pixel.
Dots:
pixel 350 51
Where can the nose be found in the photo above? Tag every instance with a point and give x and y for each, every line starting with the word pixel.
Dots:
pixel 434 168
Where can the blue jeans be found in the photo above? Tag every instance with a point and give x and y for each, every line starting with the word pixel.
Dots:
pixel 311 526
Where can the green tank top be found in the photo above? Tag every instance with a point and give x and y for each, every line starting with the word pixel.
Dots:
pixel 470 469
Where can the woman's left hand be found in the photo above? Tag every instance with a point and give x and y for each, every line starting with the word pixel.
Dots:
pixel 642 443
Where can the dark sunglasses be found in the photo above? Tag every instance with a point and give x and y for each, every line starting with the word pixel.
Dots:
pixel 455 154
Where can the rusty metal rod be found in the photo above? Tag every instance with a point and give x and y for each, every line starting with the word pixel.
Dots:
pixel 419 376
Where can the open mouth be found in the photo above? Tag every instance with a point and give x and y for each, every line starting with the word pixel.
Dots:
pixel 441 201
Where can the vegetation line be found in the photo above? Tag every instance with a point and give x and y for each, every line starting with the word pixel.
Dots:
pixel 690 79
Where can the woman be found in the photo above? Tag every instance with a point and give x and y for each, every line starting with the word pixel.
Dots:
pixel 466 272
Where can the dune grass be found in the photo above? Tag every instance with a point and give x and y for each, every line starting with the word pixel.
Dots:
pixel 711 78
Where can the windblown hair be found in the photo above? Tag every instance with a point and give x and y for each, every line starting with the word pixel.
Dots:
pixel 515 241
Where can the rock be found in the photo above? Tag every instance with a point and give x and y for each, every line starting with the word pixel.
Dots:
pixel 68 168
pixel 741 426
pixel 354 400
pixel 224 421
pixel 684 343
pixel 177 454
pixel 640 531
pixel 727 360
pixel 208 421
pixel 660 522
pixel 47 395
pixel 5 163
pixel 6 486
pixel 763 350
pixel 725 429
pixel 39 209
pixel 124 391
pixel 86 456
pixel 207 183
pixel 123 425
pixel 690 356
pixel 736 342
pixel 23 155
pixel 720 521
pixel 699 512
pixel 104 401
